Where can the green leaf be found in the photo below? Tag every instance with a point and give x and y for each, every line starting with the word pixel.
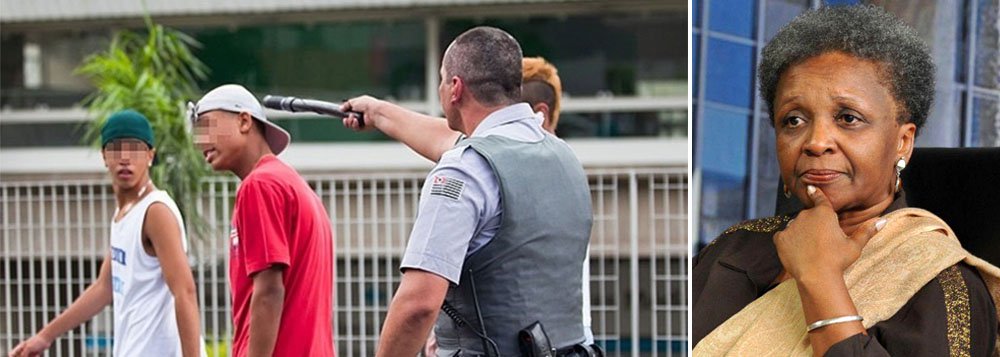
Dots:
pixel 155 73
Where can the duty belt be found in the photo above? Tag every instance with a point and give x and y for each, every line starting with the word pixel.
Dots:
pixel 578 350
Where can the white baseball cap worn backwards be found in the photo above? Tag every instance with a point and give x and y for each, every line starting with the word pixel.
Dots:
pixel 237 99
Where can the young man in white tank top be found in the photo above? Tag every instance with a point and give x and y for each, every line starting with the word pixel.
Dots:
pixel 145 273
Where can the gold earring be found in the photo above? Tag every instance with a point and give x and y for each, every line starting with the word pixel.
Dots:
pixel 788 193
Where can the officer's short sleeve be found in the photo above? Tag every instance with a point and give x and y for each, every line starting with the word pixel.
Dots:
pixel 453 205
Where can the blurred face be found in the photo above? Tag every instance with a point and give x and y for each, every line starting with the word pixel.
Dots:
pixel 836 129
pixel 128 162
pixel 221 136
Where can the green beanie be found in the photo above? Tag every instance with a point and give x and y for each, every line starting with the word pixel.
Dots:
pixel 127 124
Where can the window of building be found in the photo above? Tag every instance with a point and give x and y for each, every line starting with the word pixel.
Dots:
pixel 38 69
pixel 603 59
pixel 330 61
pixel 632 54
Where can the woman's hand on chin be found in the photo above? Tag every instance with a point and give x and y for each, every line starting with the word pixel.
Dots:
pixel 813 246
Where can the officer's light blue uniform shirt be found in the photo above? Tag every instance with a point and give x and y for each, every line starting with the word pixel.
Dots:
pixel 460 206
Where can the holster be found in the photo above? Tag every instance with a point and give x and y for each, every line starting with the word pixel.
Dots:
pixel 534 342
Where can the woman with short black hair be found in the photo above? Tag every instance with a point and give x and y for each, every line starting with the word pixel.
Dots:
pixel 855 272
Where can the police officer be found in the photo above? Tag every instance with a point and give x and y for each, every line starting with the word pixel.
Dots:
pixel 485 243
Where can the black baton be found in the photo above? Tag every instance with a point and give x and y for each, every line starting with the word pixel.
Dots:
pixel 293 104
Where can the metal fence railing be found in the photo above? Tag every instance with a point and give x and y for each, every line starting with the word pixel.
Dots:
pixel 53 236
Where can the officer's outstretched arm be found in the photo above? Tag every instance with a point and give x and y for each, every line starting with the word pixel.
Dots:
pixel 428 136
pixel 412 313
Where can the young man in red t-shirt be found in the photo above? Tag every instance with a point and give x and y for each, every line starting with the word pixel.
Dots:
pixel 281 243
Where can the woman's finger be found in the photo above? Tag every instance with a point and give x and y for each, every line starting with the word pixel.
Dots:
pixel 867 230
pixel 817 197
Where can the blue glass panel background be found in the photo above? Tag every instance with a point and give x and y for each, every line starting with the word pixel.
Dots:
pixel 730 68
pixel 695 74
pixel 724 174
pixel 734 17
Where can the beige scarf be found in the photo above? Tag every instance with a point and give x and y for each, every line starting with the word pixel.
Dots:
pixel 914 247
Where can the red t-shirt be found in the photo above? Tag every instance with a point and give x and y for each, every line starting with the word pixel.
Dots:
pixel 279 220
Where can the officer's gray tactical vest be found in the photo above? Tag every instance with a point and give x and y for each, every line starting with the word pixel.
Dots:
pixel 531 270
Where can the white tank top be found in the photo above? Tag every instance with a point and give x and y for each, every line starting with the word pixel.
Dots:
pixel 145 322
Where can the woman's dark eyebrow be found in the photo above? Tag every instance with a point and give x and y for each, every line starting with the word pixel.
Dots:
pixel 846 98
pixel 788 100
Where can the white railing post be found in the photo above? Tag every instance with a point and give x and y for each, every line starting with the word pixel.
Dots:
pixel 633 222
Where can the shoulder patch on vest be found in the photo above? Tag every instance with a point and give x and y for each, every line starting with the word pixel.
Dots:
pixel 448 187
pixel 956 302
